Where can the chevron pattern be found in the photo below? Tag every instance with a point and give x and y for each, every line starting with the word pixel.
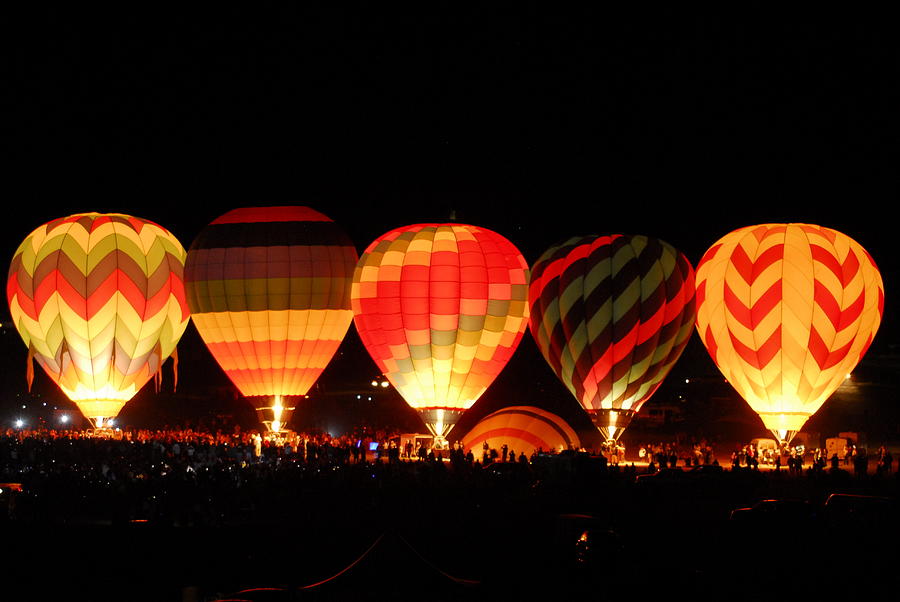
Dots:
pixel 611 315
pixel 441 308
pixel 269 292
pixel 786 311
pixel 99 301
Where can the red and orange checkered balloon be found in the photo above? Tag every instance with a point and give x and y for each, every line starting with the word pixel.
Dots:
pixel 786 311
pixel 441 308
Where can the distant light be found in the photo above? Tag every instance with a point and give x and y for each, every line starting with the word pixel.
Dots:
pixel 687 381
pixel 64 418
pixel 23 406
pixel 384 384
pixel 374 383
pixel 20 423
pixel 848 376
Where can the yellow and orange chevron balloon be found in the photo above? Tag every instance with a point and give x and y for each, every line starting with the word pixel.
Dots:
pixel 786 311
pixel 99 301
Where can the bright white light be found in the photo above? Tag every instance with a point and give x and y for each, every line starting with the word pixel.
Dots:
pixel 20 423
pixel 374 383
pixel 64 418
pixel 384 384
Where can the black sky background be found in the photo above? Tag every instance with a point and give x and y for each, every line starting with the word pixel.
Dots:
pixel 539 122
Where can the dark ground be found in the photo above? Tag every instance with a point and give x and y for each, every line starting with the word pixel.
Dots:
pixel 441 534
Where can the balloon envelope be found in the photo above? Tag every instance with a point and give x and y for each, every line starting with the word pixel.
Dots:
pixel 99 301
pixel 786 311
pixel 441 308
pixel 269 292
pixel 523 429
pixel 611 315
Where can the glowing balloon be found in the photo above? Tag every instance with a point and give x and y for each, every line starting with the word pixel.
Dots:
pixel 786 311
pixel 441 308
pixel 611 315
pixel 99 301
pixel 522 429
pixel 269 292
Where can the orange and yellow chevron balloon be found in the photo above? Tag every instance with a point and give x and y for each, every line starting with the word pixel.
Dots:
pixel 99 301
pixel 440 308
pixel 786 311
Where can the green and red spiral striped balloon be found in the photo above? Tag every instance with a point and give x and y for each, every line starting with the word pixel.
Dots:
pixel 611 315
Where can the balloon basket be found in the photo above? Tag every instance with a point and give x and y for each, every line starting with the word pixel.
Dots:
pixel 611 424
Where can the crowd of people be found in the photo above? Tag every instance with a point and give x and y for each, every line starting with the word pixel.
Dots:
pixel 672 454
pixel 192 475
pixel 244 480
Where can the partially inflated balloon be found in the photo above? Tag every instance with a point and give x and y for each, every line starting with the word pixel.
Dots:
pixel 523 429
pixel 441 308
pixel 99 301
pixel 269 292
pixel 611 315
pixel 786 311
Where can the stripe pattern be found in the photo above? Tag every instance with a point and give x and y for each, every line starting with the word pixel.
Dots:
pixel 523 429
pixel 441 308
pixel 269 292
pixel 786 311
pixel 99 301
pixel 611 315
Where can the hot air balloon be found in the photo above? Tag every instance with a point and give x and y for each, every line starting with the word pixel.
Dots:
pixel 611 315
pixel 99 301
pixel 523 429
pixel 786 311
pixel 269 291
pixel 440 308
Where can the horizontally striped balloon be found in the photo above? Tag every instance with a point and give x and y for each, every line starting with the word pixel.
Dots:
pixel 269 292
pixel 786 311
pixel 99 301
pixel 611 315
pixel 523 429
pixel 441 308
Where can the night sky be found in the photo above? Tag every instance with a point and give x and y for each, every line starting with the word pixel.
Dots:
pixel 538 123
